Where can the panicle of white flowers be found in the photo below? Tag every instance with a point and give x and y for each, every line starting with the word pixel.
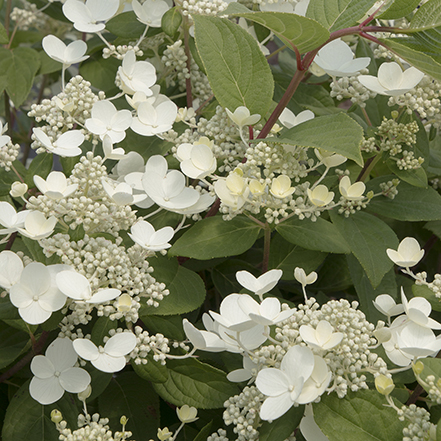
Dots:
pixel 243 412
pixel 8 154
pixel 28 17
pixel 203 7
pixel 220 435
pixel 424 99
pixel 119 51
pixel 350 88
pixel 65 110
pixel 91 428
pixel 175 61
pixel 419 427
pixel 146 343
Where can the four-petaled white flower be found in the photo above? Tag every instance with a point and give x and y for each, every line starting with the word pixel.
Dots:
pixel 259 285
pixel 329 159
pixel 154 118
pixel 289 119
pixel 67 144
pixel 36 295
pixel 391 80
pixel 408 253
pixel 18 189
pixel 151 11
pixel 187 414
pixel 11 267
pixel 110 358
pixel 77 287
pixel 10 219
pixel 302 278
pixel 67 55
pixel 352 192
pixel 136 76
pixel 107 120
pixel 121 193
pixel 242 117
pixel 337 59
pixel 37 227
pixel 320 195
pixel 110 152
pixel 233 191
pixel 418 310
pixel 55 373
pixel 322 337
pixel 197 159
pixel 143 233
pixel 90 16
pixel 55 186
pixel 281 187
pixel 387 305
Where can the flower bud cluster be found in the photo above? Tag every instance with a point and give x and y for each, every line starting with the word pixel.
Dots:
pixel 29 17
pixel 419 428
pixel 434 392
pixel 146 343
pixel 348 207
pixel 65 110
pixel 220 435
pixel 175 61
pixel 203 7
pixel 119 51
pixel 350 88
pixel 389 188
pixel 8 154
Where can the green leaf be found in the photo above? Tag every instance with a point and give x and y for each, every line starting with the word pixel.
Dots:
pixel 412 204
pixel 205 432
pixel 213 237
pixel 68 164
pixel 101 329
pixel 18 68
pixel 3 35
pixel 292 29
pixel 416 54
pixel 187 290
pixel 236 68
pixel 428 16
pixel 399 9
pixel 129 396
pixel 359 415
pixel 41 165
pixel 170 325
pixel 47 64
pixel 101 72
pixel 366 293
pixel 125 25
pixel 12 344
pixel 368 237
pixel 286 256
pixel 333 133
pixel 320 235
pixel 171 21
pixel 416 177
pixel 338 14
pixel 27 419
pixel 428 294
pixel 196 384
pixel 283 427
pixel 153 371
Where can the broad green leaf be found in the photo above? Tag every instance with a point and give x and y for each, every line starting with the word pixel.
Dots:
pixel 36 252
pixel 196 384
pixel 428 16
pixel 416 177
pixel 12 344
pixel 101 329
pixel 281 428
pixel 205 432
pixel 416 54
pixel 213 237
pixel 27 419
pixel 187 290
pixel 171 21
pixel 428 294
pixel 99 381
pixel 366 293
pixel 236 68
pixel 224 275
pixel 434 227
pixel 68 164
pixel 170 325
pixel 292 29
pixel 368 237
pixel 361 416
pixel 41 165
pixel 333 133
pixel 134 398
pixel 410 204
pixel 338 14
pixel 320 235
pixel 364 50
pixel 125 25
pixel 145 146
pixel 153 371
pixel 7 309
pixel 18 68
pixel 399 8
pixel 3 35
pixel 334 275
pixel 47 64
pixel 101 72
pixel 286 256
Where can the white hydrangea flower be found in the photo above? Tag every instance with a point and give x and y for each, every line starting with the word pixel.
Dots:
pixel 322 337
pixel 110 358
pixel 111 153
pixel 154 118
pixel 352 192
pixel 66 145
pixel 259 285
pixel 18 189
pixel 329 159
pixel 320 195
pixel 197 159
pixel 233 191
pixel 187 414
pixel 337 59
pixel 55 186
pixel 55 373
pixel 281 187
pixel 11 267
pixel 143 233
pixel 391 80
pixel 290 120
pixel 418 310
pixel 408 253
pixel 121 193
pixel 242 117
pixel 10 219
pixel 151 11
pixel 67 55
pixel 37 227
pixel 387 305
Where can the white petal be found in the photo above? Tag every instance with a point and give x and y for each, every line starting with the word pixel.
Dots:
pixel 275 407
pixel 272 382
pixel 85 349
pixel 62 354
pixel 42 367
pixel 11 267
pixel 107 363
pixel 120 344
pixel 46 391
pixel 73 285
pixel 74 379
pixel 34 314
pixel 104 295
